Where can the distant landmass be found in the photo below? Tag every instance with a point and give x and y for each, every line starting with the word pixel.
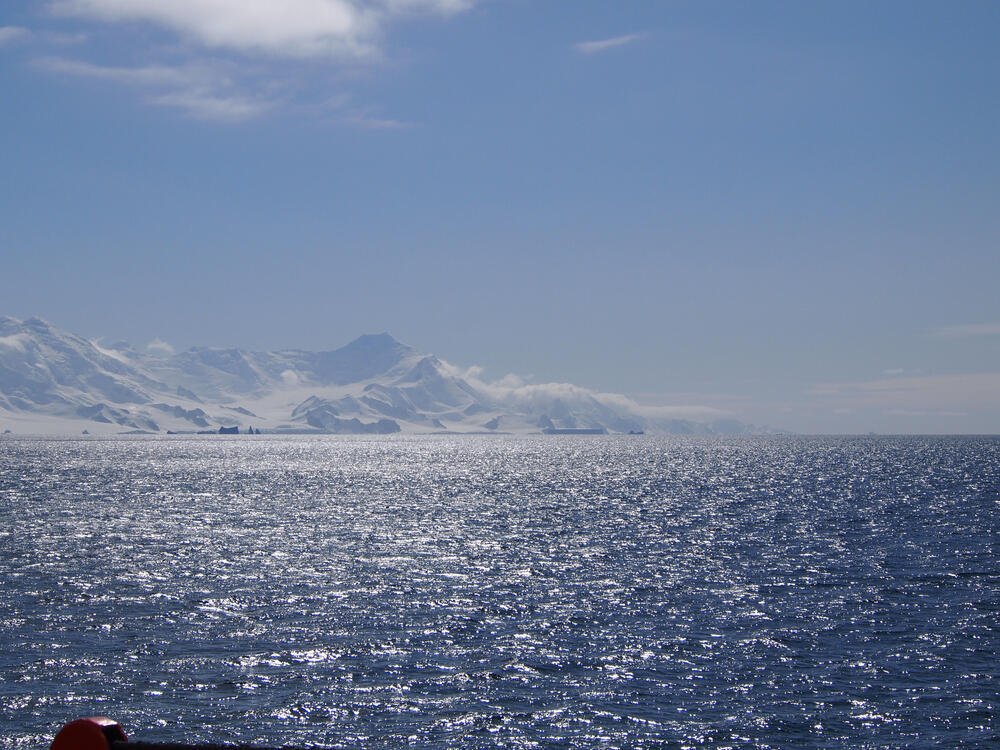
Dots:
pixel 52 381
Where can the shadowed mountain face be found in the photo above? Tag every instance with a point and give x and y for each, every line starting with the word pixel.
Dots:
pixel 219 373
pixel 363 359
pixel 373 385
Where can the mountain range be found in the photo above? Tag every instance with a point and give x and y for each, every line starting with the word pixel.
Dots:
pixel 52 381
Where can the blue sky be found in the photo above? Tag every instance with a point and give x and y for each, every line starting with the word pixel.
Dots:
pixel 785 212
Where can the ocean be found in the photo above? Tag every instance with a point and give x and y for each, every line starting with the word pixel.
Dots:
pixel 498 591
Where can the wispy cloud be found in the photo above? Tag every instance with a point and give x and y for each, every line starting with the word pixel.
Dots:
pixel 201 90
pixel 291 28
pixel 969 330
pixel 602 45
pixel 12 33
pixel 159 346
pixel 369 122
pixel 239 59
pixel 514 390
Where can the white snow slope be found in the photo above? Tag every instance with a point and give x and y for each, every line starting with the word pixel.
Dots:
pixel 52 381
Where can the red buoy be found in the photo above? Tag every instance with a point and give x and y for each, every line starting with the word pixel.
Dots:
pixel 94 733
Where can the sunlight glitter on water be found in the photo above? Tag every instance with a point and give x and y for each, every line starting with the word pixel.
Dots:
pixel 486 592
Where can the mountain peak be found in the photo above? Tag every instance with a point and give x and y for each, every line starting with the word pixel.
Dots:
pixel 367 356
pixel 375 341
pixel 380 346
pixel 38 325
pixel 30 325
pixel 427 368
pixel 371 385
pixel 9 325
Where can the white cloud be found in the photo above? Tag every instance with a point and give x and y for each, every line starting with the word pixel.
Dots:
pixel 153 75
pixel 15 341
pixel 206 104
pixel 602 45
pixel 286 28
pixel 515 391
pixel 473 372
pixel 159 346
pixel 967 331
pixel 511 381
pixel 291 378
pixel 264 53
pixel 369 122
pixel 436 6
pixel 11 33
pixel 200 90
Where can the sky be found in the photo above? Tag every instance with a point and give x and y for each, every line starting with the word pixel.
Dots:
pixel 784 212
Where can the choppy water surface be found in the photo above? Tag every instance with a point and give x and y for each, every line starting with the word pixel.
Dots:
pixel 481 592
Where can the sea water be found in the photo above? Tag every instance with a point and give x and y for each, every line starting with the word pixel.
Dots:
pixel 555 591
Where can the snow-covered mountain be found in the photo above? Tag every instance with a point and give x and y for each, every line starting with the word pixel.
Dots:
pixel 54 381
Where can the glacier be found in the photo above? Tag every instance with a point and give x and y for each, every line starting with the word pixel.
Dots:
pixel 53 381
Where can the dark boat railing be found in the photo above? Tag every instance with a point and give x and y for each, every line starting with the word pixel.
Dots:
pixel 102 733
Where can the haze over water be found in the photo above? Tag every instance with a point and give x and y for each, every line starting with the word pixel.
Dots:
pixel 501 592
